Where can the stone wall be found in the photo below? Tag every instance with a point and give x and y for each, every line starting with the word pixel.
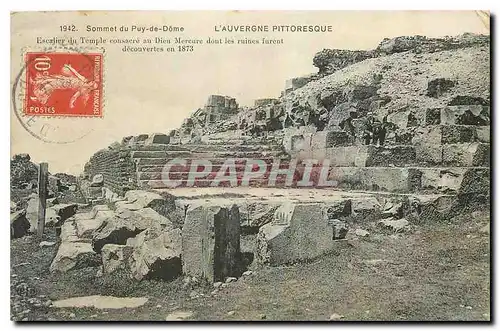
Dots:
pixel 117 168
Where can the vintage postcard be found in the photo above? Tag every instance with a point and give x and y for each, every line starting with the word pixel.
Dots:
pixel 250 166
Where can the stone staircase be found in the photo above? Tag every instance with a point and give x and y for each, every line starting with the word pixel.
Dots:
pixel 150 160
pixel 432 151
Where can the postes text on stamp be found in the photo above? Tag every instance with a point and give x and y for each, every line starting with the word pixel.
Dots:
pixel 63 84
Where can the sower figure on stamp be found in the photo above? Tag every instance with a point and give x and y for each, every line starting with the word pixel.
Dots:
pixel 45 85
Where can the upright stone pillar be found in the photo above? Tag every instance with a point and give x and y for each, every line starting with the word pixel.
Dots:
pixel 211 242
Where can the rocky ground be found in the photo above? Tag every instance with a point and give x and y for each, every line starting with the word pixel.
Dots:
pixel 435 271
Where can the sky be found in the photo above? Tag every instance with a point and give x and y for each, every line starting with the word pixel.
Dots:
pixel 154 92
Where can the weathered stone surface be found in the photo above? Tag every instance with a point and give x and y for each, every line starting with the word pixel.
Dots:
pixel 157 255
pixel 51 217
pixel 395 225
pixel 390 156
pixel 126 205
pixel 163 204
pixel 52 202
pixel 19 224
pixel 86 227
pixel 296 139
pixel 339 229
pixel 431 207
pixel 429 154
pixel 100 302
pixel 442 180
pixel 299 232
pixel 456 134
pixel 365 206
pixel 255 214
pixel 92 214
pixel 115 257
pixel 475 180
pixel 211 242
pixel 69 232
pixel 467 155
pixel 46 243
pixel 157 138
pixel 329 138
pixel 64 211
pixel 342 156
pixel 97 180
pixel 74 255
pixel 120 227
pixel 483 134
pixel 466 115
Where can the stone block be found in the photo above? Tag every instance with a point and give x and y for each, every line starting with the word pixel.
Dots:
pixel 390 156
pixel 300 232
pixel 74 255
pixel 454 134
pixel 156 255
pixel 466 115
pixel 127 224
pixel 385 179
pixel 211 242
pixel 476 181
pixel 365 207
pixel 445 180
pixel 344 156
pixel 428 154
pixel 157 138
pixel 467 155
pixel 483 134
pixel 329 138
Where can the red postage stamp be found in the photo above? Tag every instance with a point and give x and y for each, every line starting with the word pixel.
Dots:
pixel 63 84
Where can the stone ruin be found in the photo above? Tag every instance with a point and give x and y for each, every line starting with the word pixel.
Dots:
pixel 435 163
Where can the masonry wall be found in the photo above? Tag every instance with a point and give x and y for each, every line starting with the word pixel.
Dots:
pixel 117 168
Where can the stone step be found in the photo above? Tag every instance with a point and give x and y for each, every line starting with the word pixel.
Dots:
pixel 449 155
pixel 200 155
pixel 204 147
pixel 385 179
pixel 154 165
pixel 238 148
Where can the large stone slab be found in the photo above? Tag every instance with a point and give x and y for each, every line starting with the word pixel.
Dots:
pixel 156 255
pixel 163 204
pixel 127 224
pixel 100 302
pixel 299 232
pixel 74 255
pixel 211 242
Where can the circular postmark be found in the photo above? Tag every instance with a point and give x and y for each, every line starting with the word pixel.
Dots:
pixel 57 96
